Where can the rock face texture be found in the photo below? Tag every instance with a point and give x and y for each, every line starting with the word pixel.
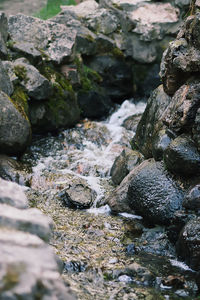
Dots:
pixel 28 266
pixel 81 61
pixel 164 189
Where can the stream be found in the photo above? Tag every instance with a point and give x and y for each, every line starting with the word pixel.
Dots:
pixel 104 256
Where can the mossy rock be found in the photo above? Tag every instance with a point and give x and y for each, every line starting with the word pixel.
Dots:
pixel 20 100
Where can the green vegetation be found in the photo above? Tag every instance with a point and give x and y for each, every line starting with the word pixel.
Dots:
pixel 20 100
pixel 52 8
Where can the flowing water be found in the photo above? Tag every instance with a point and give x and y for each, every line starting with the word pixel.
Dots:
pixel 104 256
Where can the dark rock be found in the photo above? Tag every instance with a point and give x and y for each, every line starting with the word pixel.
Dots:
pixel 75 266
pixel 94 104
pixel 116 74
pixel 77 195
pixel 192 198
pixel 12 194
pixel 12 170
pixel 180 114
pixel 155 241
pixel 188 245
pixel 15 129
pixel 153 193
pixel 124 163
pixel 160 143
pixel 5 83
pixel 149 123
pixel 181 157
pixel 130 249
pixel 196 129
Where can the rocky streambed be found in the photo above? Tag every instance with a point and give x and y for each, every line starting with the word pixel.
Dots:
pixel 104 256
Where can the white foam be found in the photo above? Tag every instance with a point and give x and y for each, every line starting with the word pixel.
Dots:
pixel 180 265
pixel 130 216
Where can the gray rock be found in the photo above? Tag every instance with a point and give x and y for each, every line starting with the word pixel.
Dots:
pixel 196 129
pixel 15 129
pixel 30 220
pixel 181 157
pixel 3 34
pixel 153 20
pixel 12 194
pixel 29 268
pixel 83 9
pixel 160 142
pixel 131 122
pixel 5 83
pixel 13 170
pixel 101 21
pixel 31 36
pixel 149 124
pixel 36 85
pixel 124 163
pixel 189 240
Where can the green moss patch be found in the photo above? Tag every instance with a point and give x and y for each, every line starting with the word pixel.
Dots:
pixel 20 100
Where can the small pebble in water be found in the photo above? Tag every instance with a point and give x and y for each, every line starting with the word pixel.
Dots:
pixel 130 249
pixel 125 279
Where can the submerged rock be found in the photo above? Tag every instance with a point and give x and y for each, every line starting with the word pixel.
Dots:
pixel 188 245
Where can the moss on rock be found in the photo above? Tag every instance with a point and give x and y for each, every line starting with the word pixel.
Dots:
pixel 20 99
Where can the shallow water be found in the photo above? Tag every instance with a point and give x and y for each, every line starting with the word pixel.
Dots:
pixel 101 253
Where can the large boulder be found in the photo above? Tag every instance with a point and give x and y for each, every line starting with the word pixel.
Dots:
pixel 149 191
pixel 37 39
pixel 15 129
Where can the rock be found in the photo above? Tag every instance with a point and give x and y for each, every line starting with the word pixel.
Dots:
pixel 116 74
pixel 181 157
pixel 5 83
pixel 155 241
pixel 12 170
pixel 124 163
pixel 36 85
pixel 12 194
pixel 78 195
pixel 153 20
pixel 180 114
pixel 29 268
pixel 3 34
pixel 94 103
pixel 15 129
pixel 188 245
pixel 83 9
pixel 131 122
pixel 30 220
pixel 101 21
pixel 160 142
pixel 149 191
pixel 192 198
pixel 153 193
pixel 38 39
pixel 149 124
